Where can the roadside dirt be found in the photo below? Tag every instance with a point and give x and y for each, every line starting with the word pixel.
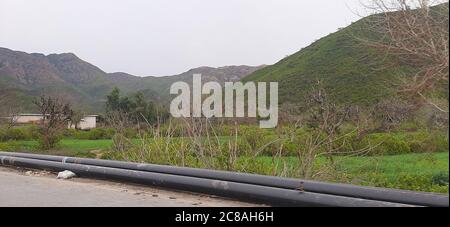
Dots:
pixel 22 187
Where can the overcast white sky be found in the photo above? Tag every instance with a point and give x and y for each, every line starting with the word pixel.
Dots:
pixel 166 37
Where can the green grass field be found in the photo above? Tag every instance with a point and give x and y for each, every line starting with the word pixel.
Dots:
pixel 77 148
pixel 421 172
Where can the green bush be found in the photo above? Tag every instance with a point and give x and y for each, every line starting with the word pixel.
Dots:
pixel 131 133
pixel 49 141
pixel 403 143
pixel 12 134
pixel 8 146
pixel 440 179
pixel 253 135
pixel 393 143
pixel 268 142
pixel 386 144
pixel 19 133
pixel 424 183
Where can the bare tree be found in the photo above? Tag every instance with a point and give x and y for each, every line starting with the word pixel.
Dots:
pixel 391 113
pixel 324 114
pixel 8 112
pixel 120 122
pixel 75 119
pixel 325 137
pixel 56 116
pixel 416 33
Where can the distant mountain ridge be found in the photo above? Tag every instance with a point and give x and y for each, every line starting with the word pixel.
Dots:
pixel 24 76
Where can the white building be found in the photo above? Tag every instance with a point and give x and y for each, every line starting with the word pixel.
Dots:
pixel 28 118
pixel 86 123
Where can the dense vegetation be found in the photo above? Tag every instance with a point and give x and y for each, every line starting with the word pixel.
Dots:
pixel 416 160
pixel 135 106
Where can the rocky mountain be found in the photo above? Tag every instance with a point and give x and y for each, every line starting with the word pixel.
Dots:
pixel 25 76
pixel 33 74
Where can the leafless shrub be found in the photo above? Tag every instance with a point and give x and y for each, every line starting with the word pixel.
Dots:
pixel 56 116
pixel 205 143
pixel 320 135
pixel 325 114
pixel 8 112
pixel 416 34
pixel 75 119
pixel 437 119
pixel 391 113
pixel 120 122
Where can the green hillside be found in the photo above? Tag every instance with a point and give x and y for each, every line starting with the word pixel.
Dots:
pixel 348 70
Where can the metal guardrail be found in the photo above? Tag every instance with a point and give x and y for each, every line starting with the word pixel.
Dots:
pixel 266 189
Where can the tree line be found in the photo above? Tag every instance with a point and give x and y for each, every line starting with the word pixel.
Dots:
pixel 135 107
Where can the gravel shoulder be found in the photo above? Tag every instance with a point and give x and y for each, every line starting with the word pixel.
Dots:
pixel 27 188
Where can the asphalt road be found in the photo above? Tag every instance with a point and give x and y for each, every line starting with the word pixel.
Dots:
pixel 20 188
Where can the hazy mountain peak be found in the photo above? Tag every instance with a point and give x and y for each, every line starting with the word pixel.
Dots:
pixel 64 57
